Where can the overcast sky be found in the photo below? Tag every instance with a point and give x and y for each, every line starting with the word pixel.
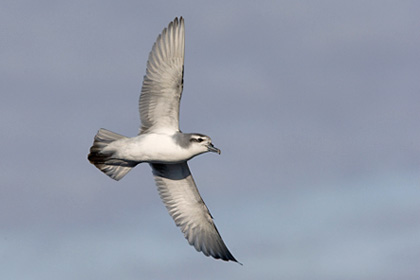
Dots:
pixel 314 104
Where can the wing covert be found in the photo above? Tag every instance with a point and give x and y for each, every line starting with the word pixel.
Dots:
pixel 163 83
pixel 180 195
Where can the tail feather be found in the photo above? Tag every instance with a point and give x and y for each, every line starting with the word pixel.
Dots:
pixel 113 167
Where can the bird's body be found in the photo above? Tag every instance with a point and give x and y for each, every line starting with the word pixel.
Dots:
pixel 161 144
pixel 153 148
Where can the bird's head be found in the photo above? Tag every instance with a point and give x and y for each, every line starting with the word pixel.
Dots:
pixel 202 143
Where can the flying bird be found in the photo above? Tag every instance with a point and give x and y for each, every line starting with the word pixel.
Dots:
pixel 161 143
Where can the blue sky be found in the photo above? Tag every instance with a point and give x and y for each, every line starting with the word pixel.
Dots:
pixel 315 107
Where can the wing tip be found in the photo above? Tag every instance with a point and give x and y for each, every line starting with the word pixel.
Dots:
pixel 228 257
pixel 235 260
pixel 178 19
pixel 222 254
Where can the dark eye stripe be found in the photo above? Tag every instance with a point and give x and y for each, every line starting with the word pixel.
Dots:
pixel 199 140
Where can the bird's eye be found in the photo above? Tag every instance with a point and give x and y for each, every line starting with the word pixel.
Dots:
pixel 198 140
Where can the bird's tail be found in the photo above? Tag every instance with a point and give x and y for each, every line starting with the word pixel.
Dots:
pixel 113 167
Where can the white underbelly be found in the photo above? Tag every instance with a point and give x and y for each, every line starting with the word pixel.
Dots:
pixel 151 148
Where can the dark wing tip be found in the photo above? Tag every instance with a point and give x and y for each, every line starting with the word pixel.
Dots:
pixel 177 21
pixel 227 257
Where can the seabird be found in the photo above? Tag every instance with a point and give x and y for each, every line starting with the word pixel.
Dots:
pixel 161 143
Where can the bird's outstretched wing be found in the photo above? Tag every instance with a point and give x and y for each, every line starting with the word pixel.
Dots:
pixel 179 193
pixel 162 85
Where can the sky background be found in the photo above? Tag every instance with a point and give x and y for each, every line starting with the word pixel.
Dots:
pixel 314 104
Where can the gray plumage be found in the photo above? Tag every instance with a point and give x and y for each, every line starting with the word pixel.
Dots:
pixel 178 191
pixel 162 144
pixel 163 82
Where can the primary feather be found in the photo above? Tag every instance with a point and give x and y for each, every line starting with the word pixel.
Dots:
pixel 163 83
pixel 164 146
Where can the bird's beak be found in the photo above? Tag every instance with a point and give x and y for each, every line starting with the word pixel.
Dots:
pixel 213 149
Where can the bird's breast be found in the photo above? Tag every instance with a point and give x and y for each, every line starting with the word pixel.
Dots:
pixel 155 148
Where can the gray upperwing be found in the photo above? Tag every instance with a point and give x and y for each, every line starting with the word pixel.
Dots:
pixel 178 191
pixel 163 83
